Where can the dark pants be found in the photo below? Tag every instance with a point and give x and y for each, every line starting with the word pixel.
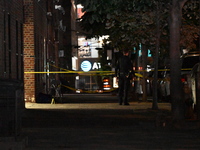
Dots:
pixel 124 84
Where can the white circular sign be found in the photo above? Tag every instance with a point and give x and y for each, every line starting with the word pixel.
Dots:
pixel 86 65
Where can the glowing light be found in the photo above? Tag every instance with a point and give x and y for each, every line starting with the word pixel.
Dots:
pixel 86 66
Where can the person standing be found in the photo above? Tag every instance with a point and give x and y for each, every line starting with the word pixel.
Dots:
pixel 124 73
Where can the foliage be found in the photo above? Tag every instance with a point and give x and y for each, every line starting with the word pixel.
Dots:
pixel 190 27
pixel 132 22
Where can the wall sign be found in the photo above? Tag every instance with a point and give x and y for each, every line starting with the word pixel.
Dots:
pixel 88 66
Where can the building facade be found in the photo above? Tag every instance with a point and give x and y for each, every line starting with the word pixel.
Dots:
pixel 11 37
pixel 11 67
pixel 37 37
pixel 49 39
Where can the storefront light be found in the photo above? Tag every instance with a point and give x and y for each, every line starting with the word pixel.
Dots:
pixel 86 66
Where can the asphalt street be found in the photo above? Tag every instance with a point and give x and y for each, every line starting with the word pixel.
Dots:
pixel 84 122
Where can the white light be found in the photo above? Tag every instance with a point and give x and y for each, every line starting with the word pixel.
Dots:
pixel 100 91
pixel 57 6
pixel 77 77
pixel 81 39
pixel 79 6
pixel 115 82
pixel 86 66
pixel 148 70
pixel 75 57
pixel 78 91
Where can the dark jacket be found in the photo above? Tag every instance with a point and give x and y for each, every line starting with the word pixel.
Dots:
pixel 124 67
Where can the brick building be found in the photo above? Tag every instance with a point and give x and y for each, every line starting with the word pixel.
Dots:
pixel 39 35
pixel 49 39
pixel 11 37
pixel 11 66
pixel 32 33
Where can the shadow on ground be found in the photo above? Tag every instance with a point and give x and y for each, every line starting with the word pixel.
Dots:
pixel 100 123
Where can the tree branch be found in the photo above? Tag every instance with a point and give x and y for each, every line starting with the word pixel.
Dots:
pixel 182 2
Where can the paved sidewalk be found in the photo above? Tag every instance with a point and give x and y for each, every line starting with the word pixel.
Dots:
pixel 97 122
pixel 103 126
pixel 133 106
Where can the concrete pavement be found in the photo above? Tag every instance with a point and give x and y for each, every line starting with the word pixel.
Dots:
pixel 97 122
pixel 133 106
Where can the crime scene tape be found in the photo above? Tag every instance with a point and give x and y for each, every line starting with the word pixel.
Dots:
pixel 65 71
pixel 94 73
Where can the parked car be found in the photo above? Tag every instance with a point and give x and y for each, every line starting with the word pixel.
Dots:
pixel 189 60
pixel 189 63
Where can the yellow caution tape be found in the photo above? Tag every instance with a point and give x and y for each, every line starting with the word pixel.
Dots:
pixel 52 101
pixel 58 67
pixel 139 75
pixel 94 72
pixel 91 72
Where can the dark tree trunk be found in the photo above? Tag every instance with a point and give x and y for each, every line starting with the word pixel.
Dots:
pixel 136 82
pixel 176 89
pixel 144 66
pixel 155 81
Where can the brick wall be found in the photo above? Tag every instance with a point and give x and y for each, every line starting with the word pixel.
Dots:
pixel 42 38
pixel 38 44
pixel 27 37
pixel 11 40
pixel 29 54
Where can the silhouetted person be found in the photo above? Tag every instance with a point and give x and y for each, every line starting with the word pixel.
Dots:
pixel 124 72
